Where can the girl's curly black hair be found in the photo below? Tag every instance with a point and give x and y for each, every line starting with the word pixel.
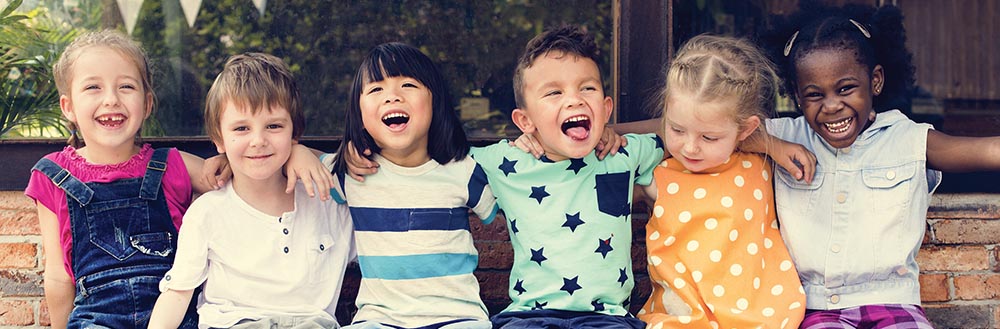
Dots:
pixel 824 27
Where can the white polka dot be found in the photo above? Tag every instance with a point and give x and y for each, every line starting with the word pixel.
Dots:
pixel 794 305
pixel 748 214
pixel 669 241
pixel 711 307
pixel 774 224
pixel 679 267
pixel 658 326
pixel 768 243
pixel 700 193
pixel 777 290
pixel 763 173
pixel 692 245
pixel 679 283
pixel 658 211
pixel 715 325
pixel 762 264
pixel 756 282
pixel 643 311
pixel 718 291
pixel 801 290
pixel 739 181
pixel 714 175
pixel 654 236
pixel 736 269
pixel 655 260
pixel 758 194
pixel 768 312
pixel 735 310
pixel 684 216
pixel 784 323
pixel 715 256
pixel 696 276
pixel 752 248
pixel 743 304
pixel 786 265
pixel 684 319
pixel 711 223
pixel 747 164
pixel 673 188
pixel 727 201
pixel 733 235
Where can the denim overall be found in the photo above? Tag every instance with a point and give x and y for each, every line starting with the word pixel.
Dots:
pixel 123 244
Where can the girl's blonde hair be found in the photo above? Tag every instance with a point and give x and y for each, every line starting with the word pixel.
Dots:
pixel 712 68
pixel 63 68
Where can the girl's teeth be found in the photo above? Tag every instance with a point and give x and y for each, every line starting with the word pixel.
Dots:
pixel 839 127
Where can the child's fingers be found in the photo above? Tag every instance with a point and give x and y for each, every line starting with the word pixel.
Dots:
pixel 290 185
pixel 357 177
pixel 225 172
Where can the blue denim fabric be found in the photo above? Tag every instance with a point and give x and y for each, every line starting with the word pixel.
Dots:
pixel 552 319
pixel 123 243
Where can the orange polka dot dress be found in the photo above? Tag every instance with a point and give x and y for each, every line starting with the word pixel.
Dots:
pixel 716 258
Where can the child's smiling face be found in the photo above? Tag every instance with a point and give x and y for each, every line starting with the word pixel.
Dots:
pixel 397 113
pixel 836 94
pixel 564 105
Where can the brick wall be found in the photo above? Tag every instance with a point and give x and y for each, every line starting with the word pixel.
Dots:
pixel 960 263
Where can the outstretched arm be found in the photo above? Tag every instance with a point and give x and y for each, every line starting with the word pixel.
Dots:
pixel 795 158
pixel 962 154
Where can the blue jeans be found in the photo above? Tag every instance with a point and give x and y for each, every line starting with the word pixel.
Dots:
pixel 550 319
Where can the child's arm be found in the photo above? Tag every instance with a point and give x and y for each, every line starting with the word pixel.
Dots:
pixel 795 158
pixel 303 163
pixel 609 144
pixel 961 154
pixel 170 307
pixel 199 183
pixel 59 288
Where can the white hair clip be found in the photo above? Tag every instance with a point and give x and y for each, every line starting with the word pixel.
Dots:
pixel 862 28
pixel 791 41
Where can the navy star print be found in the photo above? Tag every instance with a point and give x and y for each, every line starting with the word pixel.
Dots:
pixel 538 193
pixel 539 306
pixel 572 221
pixel 659 142
pixel 575 165
pixel 622 276
pixel 622 150
pixel 513 226
pixel 598 306
pixel 571 285
pixel 604 246
pixel 536 256
pixel 508 167
pixel 519 287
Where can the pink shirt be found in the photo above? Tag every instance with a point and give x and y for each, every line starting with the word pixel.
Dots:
pixel 176 187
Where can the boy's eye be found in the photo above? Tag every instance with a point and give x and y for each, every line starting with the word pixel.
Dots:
pixel 553 93
pixel 590 88
pixel 274 126
pixel 241 128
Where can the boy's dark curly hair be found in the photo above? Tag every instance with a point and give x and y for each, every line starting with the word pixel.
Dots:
pixel 822 27
pixel 567 39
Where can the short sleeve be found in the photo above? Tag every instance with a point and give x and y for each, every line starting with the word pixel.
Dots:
pixel 190 267
pixel 177 186
pixel 647 151
pixel 481 199
pixel 337 192
pixel 43 191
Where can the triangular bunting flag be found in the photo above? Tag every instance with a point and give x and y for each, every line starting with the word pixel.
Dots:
pixel 190 8
pixel 130 12
pixel 260 4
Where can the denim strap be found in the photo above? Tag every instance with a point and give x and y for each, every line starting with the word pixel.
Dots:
pixel 64 180
pixel 154 174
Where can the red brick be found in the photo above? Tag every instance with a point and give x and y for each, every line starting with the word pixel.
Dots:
pixel 18 255
pixel 977 287
pixel 20 283
pixel 495 255
pixel 493 285
pixel 43 314
pixel 928 232
pixel 960 316
pixel 978 206
pixel 954 259
pixel 495 231
pixel 16 313
pixel 934 288
pixel 19 222
pixel 16 200
pixel 967 231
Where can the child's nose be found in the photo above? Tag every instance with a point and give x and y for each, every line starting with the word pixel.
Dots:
pixel 573 100
pixel 111 98
pixel 832 105
pixel 391 95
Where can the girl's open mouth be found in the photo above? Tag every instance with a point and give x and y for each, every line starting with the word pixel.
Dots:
pixel 577 127
pixel 111 120
pixel 395 120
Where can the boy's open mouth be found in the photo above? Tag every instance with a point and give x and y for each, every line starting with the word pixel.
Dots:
pixel 395 120
pixel 577 127
pixel 111 120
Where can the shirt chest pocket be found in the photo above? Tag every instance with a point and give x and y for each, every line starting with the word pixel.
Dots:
pixel 796 198
pixel 890 186
pixel 320 263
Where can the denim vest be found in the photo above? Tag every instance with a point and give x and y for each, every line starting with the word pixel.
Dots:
pixel 854 232
pixel 123 243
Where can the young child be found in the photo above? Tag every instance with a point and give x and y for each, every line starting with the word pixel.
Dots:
pixel 716 258
pixel 267 258
pixel 414 245
pixel 854 232
pixel 109 207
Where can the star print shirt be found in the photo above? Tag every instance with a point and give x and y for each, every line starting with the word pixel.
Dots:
pixel 716 258
pixel 570 224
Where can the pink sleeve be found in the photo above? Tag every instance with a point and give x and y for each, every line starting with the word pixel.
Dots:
pixel 177 187
pixel 47 194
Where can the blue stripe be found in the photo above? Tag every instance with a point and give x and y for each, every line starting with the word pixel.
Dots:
pixel 493 214
pixel 410 219
pixel 477 183
pixel 416 266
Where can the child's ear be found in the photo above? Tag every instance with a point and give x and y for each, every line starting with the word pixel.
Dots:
pixel 66 105
pixel 522 121
pixel 149 105
pixel 609 104
pixel 219 146
pixel 750 125
pixel 878 80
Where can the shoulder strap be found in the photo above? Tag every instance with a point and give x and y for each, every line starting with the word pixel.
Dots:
pixel 154 174
pixel 65 180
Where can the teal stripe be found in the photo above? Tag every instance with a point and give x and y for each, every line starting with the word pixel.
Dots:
pixel 416 266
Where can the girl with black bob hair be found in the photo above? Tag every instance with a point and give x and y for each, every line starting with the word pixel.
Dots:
pixel 855 230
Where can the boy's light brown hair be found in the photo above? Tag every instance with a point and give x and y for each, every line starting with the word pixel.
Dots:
pixel 567 40
pixel 253 81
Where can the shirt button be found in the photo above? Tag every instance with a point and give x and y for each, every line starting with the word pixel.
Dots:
pixel 835 248
pixel 835 299
pixel 279 219
pixel 846 150
pixel 284 230
pixel 841 197
pixel 167 277
pixel 890 175
pixel 321 247
pixel 286 250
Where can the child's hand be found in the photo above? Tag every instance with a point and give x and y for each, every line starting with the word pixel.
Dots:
pixel 359 166
pixel 529 144
pixel 796 159
pixel 216 171
pixel 303 164
pixel 610 143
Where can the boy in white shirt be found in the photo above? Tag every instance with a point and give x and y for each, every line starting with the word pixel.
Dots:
pixel 266 258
